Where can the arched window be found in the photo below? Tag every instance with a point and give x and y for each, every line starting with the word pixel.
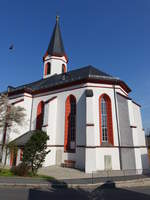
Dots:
pixel 40 115
pixel 105 115
pixel 63 68
pixel 47 68
pixel 104 126
pixel 70 124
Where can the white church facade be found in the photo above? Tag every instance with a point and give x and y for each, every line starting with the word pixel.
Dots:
pixel 91 121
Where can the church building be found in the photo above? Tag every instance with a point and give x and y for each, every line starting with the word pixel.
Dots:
pixel 91 121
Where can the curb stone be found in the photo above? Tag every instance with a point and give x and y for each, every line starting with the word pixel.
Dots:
pixel 20 185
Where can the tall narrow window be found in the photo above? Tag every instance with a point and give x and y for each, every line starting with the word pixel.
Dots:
pixel 47 68
pixel 40 115
pixel 104 121
pixel 106 129
pixel 70 124
pixel 63 68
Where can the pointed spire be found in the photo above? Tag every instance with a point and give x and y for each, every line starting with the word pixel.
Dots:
pixel 56 47
pixel 57 18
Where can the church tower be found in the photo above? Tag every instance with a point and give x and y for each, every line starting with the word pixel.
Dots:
pixel 55 59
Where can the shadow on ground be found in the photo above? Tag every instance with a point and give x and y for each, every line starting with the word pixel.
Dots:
pixel 104 192
pixel 99 179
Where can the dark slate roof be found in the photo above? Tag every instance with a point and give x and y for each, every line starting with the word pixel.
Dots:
pixel 23 139
pixel 56 46
pixel 88 72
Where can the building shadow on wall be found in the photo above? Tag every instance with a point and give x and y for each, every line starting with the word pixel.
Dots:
pixel 145 164
pixel 106 191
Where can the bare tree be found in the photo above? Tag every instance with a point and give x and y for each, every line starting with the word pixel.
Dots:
pixel 9 114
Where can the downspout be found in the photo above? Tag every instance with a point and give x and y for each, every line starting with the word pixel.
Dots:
pixel 31 114
pixel 116 111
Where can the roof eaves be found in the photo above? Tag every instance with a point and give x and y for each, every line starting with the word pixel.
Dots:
pixel 103 77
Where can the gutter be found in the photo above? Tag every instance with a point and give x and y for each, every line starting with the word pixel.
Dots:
pixel 31 114
pixel 117 121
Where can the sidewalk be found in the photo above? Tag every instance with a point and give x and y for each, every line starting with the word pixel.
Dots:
pixel 62 173
pixel 74 178
pixel 124 181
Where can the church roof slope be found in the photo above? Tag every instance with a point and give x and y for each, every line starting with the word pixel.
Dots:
pixel 89 73
pixel 23 139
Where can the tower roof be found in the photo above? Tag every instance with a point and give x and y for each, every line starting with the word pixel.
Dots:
pixel 56 47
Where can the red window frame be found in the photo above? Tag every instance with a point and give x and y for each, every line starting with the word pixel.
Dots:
pixel 40 115
pixel 64 68
pixel 47 68
pixel 109 118
pixel 21 154
pixel 70 124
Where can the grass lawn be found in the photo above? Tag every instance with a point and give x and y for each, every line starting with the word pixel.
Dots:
pixel 8 173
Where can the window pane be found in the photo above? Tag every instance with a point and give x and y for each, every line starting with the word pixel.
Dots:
pixel 72 120
pixel 48 68
pixel 104 121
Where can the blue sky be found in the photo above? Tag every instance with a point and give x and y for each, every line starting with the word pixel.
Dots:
pixel 112 35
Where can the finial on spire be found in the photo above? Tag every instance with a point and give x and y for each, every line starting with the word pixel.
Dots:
pixel 57 18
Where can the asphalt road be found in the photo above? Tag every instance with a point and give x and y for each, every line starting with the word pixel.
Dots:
pixel 100 193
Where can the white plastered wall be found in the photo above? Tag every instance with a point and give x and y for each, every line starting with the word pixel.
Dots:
pixel 56 125
pixel 90 136
pixel 17 130
pixel 141 153
pixel 113 152
pixel 102 151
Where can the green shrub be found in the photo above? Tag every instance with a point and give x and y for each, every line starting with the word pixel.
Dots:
pixel 5 172
pixel 21 170
pixel 35 150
